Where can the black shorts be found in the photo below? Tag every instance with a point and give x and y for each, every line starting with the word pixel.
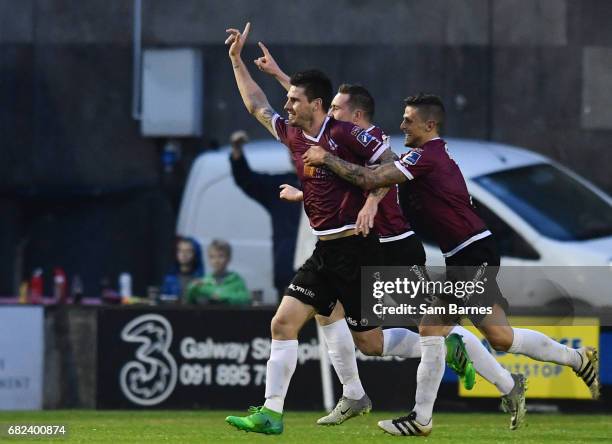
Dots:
pixel 333 273
pixel 407 252
pixel 478 261
pixel 403 252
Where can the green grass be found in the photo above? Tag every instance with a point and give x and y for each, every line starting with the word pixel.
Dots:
pixel 120 427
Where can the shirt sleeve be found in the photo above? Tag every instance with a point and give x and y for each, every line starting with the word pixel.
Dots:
pixel 280 126
pixel 361 143
pixel 414 164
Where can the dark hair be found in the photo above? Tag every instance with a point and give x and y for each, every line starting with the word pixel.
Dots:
pixel 316 86
pixel 197 263
pixel 360 98
pixel 429 106
pixel 222 246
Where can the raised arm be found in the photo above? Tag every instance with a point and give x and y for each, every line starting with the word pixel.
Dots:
pixel 383 176
pixel 267 64
pixel 253 97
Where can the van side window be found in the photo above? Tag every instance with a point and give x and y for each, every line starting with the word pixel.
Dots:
pixel 509 242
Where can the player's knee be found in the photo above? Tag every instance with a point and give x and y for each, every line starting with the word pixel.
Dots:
pixel 368 347
pixel 500 342
pixel 282 328
pixel 324 320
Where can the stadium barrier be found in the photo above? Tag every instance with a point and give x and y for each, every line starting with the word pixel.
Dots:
pixel 139 357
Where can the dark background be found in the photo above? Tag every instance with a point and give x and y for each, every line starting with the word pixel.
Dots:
pixel 305 394
pixel 82 189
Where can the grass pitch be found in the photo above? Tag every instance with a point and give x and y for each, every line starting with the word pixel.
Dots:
pixel 169 426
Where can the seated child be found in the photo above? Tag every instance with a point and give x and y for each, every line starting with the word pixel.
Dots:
pixel 220 285
pixel 187 267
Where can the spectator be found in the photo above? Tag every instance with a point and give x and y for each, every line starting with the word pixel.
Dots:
pixel 220 286
pixel 188 266
pixel 265 188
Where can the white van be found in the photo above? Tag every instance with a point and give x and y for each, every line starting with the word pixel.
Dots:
pixel 517 190
pixel 214 207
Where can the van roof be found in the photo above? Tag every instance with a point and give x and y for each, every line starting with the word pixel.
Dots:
pixel 475 157
pixel 478 157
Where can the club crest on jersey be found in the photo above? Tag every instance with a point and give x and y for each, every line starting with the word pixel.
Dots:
pixel 364 137
pixel 411 157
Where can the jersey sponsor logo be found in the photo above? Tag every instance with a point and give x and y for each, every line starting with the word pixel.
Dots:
pixel 356 130
pixel 351 321
pixel 364 137
pixel 310 171
pixel 411 157
pixel 316 173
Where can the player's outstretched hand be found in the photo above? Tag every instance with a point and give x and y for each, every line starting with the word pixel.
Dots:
pixel 236 40
pixel 266 63
pixel 291 194
pixel 366 216
pixel 315 156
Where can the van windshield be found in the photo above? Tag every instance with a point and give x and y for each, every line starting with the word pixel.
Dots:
pixel 552 202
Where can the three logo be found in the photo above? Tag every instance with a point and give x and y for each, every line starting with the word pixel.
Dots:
pixel 151 377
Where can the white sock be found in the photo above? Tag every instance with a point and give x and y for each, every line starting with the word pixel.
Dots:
pixel 280 368
pixel 401 342
pixel 341 350
pixel 484 362
pixel 429 376
pixel 540 347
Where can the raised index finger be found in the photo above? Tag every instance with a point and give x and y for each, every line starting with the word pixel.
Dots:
pixel 264 49
pixel 247 28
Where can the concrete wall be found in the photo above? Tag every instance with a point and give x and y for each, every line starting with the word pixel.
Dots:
pixel 529 73
pixel 71 357
pixel 534 73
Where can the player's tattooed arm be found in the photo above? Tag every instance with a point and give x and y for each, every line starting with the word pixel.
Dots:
pixel 375 196
pixel 388 156
pixel 367 214
pixel 252 95
pixel 265 115
pixel 385 175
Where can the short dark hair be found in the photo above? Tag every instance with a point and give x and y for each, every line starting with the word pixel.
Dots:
pixel 429 106
pixel 360 98
pixel 316 86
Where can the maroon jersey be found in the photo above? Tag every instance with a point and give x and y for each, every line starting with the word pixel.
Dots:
pixel 390 223
pixel 331 203
pixel 445 202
